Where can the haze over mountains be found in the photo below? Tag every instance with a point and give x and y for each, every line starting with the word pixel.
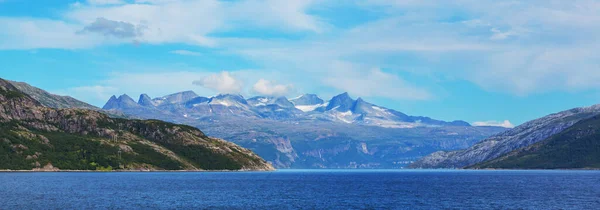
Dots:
pixel 307 131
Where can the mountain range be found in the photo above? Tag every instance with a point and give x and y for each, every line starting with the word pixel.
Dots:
pixel 307 131
pixel 38 135
pixel 567 139
pixel 341 108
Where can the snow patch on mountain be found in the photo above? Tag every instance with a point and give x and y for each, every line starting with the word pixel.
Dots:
pixel 310 108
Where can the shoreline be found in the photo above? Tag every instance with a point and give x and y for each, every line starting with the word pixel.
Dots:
pixel 233 171
pixel 127 171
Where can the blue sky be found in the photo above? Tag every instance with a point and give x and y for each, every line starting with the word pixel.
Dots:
pixel 474 60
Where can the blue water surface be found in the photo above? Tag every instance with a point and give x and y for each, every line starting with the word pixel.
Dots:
pixel 303 189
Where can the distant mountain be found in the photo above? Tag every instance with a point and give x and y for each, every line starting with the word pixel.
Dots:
pixel 340 103
pixel 307 100
pixel 123 102
pixel 278 108
pixel 342 108
pixel 176 98
pixel 144 100
pixel 308 132
pixel 282 102
pixel 36 137
pixel 501 144
pixel 577 147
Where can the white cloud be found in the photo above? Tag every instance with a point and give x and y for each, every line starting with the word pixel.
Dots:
pixel 155 1
pixel 289 14
pixel 190 21
pixel 185 52
pixel 519 47
pixel 105 2
pixel 268 88
pixel 372 82
pixel 175 22
pixel 223 82
pixel 500 35
pixel 30 33
pixel 164 21
pixel 505 124
pixel 532 46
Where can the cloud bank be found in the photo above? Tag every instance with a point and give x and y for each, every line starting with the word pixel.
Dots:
pixel 268 88
pixel 222 82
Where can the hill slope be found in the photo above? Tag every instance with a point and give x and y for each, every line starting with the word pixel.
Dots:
pixel 51 100
pixel 576 147
pixel 522 136
pixel 33 136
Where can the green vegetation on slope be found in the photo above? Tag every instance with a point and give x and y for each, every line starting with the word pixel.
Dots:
pixel 25 150
pixel 10 94
pixel 576 147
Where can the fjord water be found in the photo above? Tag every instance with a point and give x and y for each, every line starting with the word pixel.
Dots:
pixel 304 189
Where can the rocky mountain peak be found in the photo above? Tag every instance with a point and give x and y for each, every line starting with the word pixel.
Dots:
pixel 126 100
pixel 145 100
pixel 197 101
pixel 361 107
pixel 178 98
pixel 307 99
pixel 112 103
pixel 283 102
pixel 235 97
pixel 229 100
pixel 342 103
pixel 122 102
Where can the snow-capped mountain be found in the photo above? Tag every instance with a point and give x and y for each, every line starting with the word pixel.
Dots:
pixel 176 98
pixel 341 109
pixel 340 103
pixel 264 101
pixel 308 102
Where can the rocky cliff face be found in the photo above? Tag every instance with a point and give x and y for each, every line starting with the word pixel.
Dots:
pixel 33 135
pixel 503 143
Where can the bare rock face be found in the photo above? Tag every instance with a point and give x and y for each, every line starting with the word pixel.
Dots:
pixel 28 115
pixel 47 167
pixel 505 142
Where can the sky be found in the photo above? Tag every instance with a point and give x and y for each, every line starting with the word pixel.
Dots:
pixel 487 62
